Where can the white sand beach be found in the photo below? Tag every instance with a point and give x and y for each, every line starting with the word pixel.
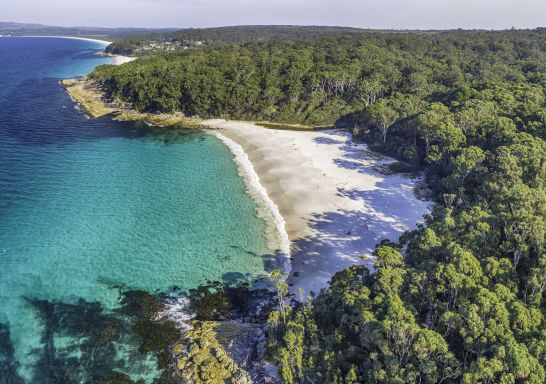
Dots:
pixel 336 201
pixel 103 42
pixel 116 59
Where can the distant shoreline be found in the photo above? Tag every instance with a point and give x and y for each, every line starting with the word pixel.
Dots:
pixel 117 59
pixel 103 42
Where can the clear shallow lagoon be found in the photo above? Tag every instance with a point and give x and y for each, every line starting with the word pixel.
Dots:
pixel 90 205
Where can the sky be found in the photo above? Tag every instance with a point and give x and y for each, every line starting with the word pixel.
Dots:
pixel 381 14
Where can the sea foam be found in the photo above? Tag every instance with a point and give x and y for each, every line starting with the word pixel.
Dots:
pixel 267 209
pixel 177 309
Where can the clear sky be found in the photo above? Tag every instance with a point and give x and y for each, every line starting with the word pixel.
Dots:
pixel 400 14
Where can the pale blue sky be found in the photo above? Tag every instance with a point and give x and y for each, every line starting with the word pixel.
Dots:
pixel 402 14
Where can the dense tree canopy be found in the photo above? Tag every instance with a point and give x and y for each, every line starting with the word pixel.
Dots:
pixel 228 35
pixel 460 299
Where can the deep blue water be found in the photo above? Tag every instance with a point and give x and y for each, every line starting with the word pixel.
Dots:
pixel 89 206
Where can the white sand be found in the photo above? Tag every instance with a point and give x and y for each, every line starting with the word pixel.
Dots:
pixel 331 192
pixel 116 59
pixel 267 209
pixel 103 42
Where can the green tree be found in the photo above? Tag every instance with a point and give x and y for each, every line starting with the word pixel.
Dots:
pixel 383 116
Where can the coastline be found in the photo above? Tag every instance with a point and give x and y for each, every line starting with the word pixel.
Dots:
pixel 103 42
pixel 335 197
pixel 116 59
pixel 267 209
pixel 330 200
pixel 119 60
pixel 87 94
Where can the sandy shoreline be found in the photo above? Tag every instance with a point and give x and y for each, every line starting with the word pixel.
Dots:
pixel 116 59
pixel 330 199
pixel 336 201
pixel 119 60
pixel 103 42
pixel 267 209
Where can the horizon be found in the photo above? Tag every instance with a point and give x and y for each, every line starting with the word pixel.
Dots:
pixel 365 14
pixel 23 23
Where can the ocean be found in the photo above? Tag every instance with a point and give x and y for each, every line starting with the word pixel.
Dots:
pixel 90 209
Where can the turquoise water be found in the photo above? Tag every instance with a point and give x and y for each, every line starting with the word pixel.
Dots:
pixel 87 206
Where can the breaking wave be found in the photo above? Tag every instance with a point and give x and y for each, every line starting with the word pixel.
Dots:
pixel 267 209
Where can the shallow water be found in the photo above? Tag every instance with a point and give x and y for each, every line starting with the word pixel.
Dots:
pixel 87 206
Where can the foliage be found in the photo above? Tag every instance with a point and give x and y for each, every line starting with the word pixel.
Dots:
pixel 466 303
pixel 228 35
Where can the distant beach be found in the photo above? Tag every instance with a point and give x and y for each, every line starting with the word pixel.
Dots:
pixel 104 42
pixel 116 59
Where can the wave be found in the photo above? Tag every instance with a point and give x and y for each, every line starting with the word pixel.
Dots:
pixel 267 209
pixel 177 309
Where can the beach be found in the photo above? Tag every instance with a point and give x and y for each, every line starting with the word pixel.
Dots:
pixel 116 59
pixel 103 42
pixel 328 201
pixel 337 199
pixel 119 60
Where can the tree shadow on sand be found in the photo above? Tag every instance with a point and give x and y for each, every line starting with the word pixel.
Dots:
pixel 344 237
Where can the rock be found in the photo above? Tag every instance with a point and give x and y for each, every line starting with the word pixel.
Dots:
pixel 178 349
pixel 240 378
pixel 258 333
pixel 271 371
pixel 260 350
pixel 203 343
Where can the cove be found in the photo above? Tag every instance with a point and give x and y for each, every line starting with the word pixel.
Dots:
pixel 89 208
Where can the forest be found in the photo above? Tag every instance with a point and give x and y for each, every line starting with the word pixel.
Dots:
pixel 462 298
pixel 229 35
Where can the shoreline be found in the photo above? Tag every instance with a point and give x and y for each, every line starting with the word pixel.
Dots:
pixel 103 42
pixel 116 59
pixel 334 196
pixel 276 233
pixel 87 94
pixel 330 199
